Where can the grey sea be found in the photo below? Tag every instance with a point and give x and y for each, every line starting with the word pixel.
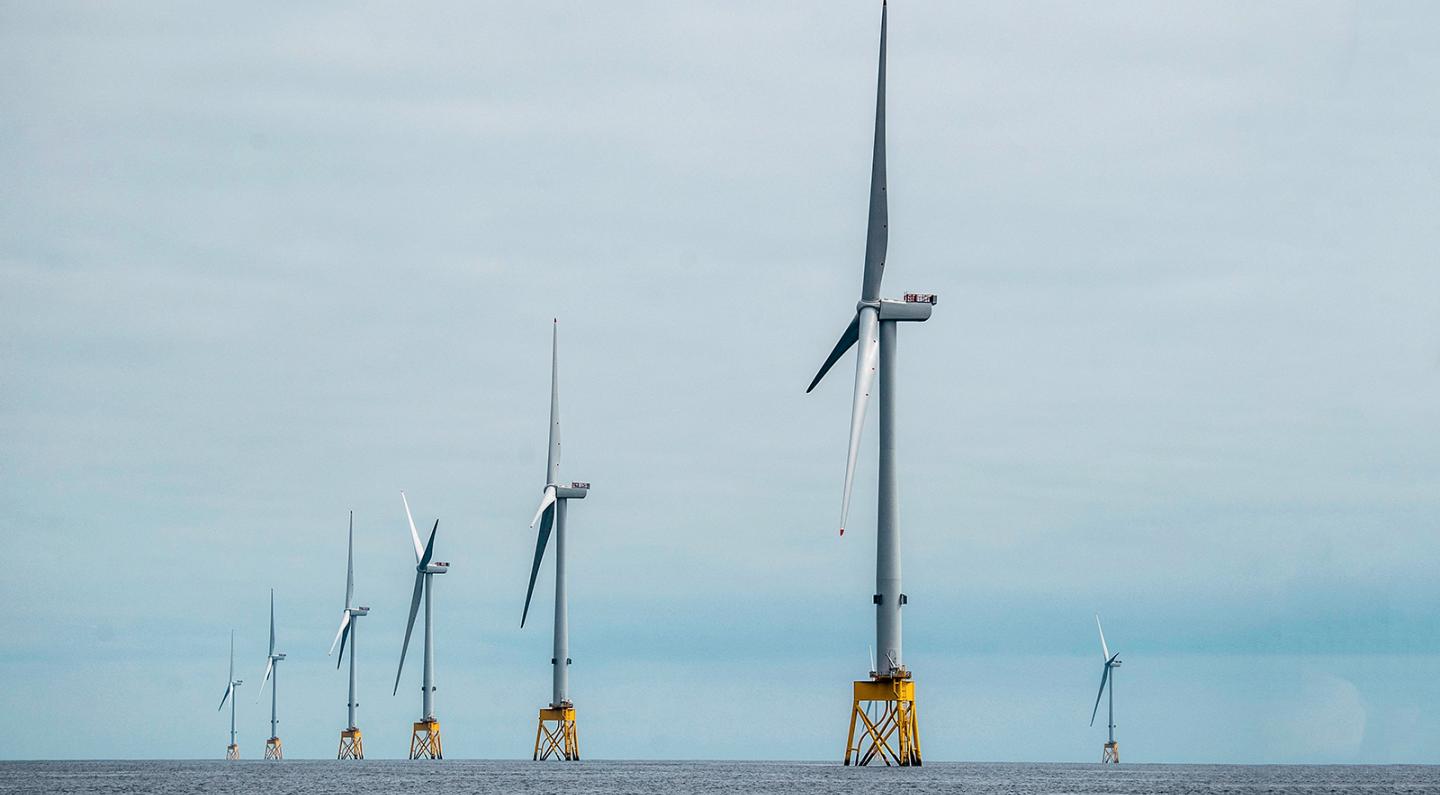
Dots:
pixel 294 776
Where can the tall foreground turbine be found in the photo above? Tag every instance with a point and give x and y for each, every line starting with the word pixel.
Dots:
pixel 425 737
pixel 561 739
pixel 272 668
pixel 351 743
pixel 1112 749
pixel 232 751
pixel 873 329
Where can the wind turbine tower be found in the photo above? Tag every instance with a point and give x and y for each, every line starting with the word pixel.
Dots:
pixel 232 751
pixel 272 668
pixel 425 737
pixel 1107 677
pixel 351 743
pixel 555 734
pixel 894 738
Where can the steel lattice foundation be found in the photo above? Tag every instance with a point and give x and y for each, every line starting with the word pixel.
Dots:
pixel 1112 754
pixel 562 741
pixel 893 738
pixel 273 749
pixel 351 746
pixel 425 740
pixel 232 752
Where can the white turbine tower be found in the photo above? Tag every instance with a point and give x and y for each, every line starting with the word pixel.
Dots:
pixel 351 744
pixel 1107 677
pixel 232 751
pixel 874 330
pixel 425 737
pixel 562 739
pixel 272 668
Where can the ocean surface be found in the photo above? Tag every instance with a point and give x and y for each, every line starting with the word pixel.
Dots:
pixel 295 776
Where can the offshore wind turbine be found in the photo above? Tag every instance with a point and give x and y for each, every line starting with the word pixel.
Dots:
pixel 425 736
pixel 1107 677
pixel 272 668
pixel 561 739
pixel 351 743
pixel 873 329
pixel 232 751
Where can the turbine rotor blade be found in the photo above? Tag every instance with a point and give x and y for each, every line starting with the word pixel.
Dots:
pixel 269 666
pixel 344 623
pixel 350 563
pixel 410 625
pixel 1103 678
pixel 877 235
pixel 228 688
pixel 552 457
pixel 344 636
pixel 1104 649
pixel 847 341
pixel 547 520
pixel 429 546
pixel 272 620
pixel 865 365
pixel 414 534
pixel 545 502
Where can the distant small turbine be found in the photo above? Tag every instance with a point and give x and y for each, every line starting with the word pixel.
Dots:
pixel 1107 677
pixel 272 667
pixel 425 737
pixel 232 751
pixel 561 739
pixel 351 744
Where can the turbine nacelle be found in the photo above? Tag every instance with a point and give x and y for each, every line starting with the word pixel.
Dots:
pixel 356 612
pixel 435 567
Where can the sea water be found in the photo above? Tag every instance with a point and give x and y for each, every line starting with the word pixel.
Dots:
pixel 474 776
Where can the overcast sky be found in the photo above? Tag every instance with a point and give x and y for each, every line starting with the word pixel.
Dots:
pixel 261 265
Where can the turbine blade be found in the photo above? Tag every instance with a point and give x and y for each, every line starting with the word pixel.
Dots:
pixel 546 501
pixel 223 698
pixel 414 535
pixel 350 563
pixel 1103 678
pixel 272 620
pixel 552 457
pixel 541 539
pixel 1103 648
pixel 345 635
pixel 232 655
pixel 410 625
pixel 429 546
pixel 865 365
pixel 847 340
pixel 877 236
pixel 269 666
pixel 344 623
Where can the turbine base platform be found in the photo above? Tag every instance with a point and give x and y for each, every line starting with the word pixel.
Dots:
pixel 351 746
pixel 425 740
pixel 1111 755
pixel 560 739
pixel 892 737
pixel 232 752
pixel 273 749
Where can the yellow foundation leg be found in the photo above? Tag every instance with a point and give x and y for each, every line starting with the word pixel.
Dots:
pixel 425 740
pixel 232 752
pixel 562 741
pixel 884 711
pixel 273 749
pixel 351 746
pixel 1112 754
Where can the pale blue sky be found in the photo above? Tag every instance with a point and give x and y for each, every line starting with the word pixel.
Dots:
pixel 264 264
